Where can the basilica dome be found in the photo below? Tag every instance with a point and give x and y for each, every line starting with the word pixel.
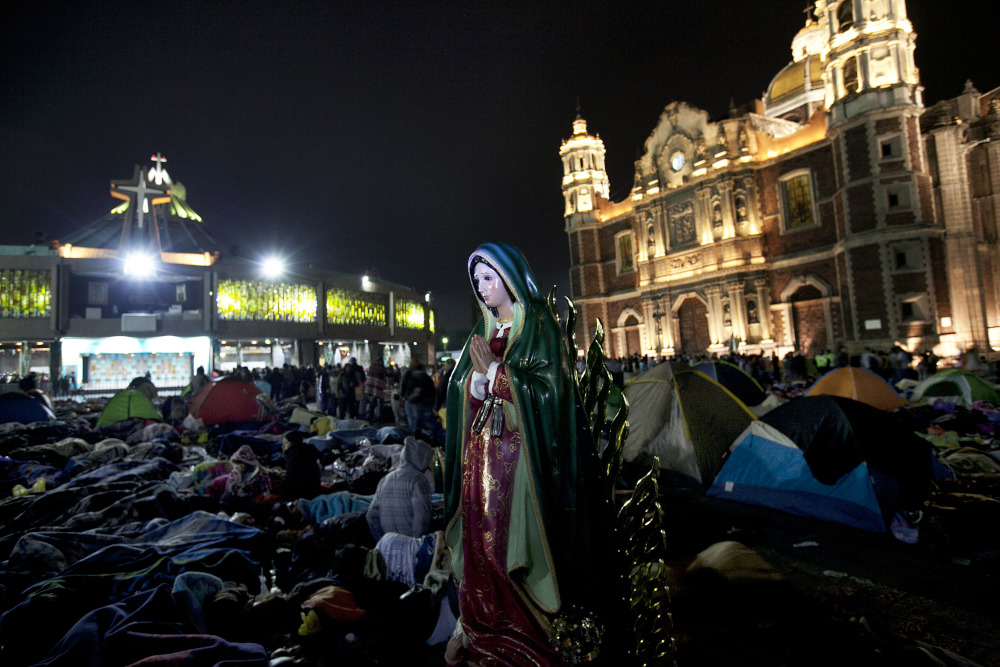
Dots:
pixel 797 91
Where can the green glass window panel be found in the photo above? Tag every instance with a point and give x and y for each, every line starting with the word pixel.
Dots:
pixel 256 300
pixel 430 320
pixel 409 314
pixel 356 308
pixel 25 293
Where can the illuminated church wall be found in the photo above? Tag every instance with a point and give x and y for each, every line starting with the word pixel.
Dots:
pixel 822 215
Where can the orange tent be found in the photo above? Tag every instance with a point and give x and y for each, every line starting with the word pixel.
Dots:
pixel 227 400
pixel 858 384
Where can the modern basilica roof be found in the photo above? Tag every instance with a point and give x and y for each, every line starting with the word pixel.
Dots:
pixel 153 214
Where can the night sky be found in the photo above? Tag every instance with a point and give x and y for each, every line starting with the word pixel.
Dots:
pixel 388 136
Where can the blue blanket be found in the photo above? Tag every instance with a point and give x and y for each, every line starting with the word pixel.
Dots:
pixel 107 568
pixel 149 627
pixel 330 505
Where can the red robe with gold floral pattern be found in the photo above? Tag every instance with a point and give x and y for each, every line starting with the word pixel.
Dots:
pixel 499 625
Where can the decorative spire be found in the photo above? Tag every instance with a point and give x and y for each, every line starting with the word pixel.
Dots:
pixel 579 124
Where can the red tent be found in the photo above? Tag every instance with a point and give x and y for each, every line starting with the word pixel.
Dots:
pixel 227 400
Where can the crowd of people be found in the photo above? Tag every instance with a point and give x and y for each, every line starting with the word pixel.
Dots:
pixel 797 367
pixel 379 394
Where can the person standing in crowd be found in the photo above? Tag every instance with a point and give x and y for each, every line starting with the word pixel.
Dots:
pixel 417 391
pixel 359 386
pixel 899 364
pixel 347 381
pixel 323 389
pixel 288 382
pixel 870 360
pixel 277 380
pixel 335 392
pixel 198 380
pixel 822 361
pixel 928 365
pixel 375 391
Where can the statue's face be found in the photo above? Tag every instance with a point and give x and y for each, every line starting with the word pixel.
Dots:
pixel 490 287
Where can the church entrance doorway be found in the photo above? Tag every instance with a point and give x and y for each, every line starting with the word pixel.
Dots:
pixel 809 324
pixel 692 323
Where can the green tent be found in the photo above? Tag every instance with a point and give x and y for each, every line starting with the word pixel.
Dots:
pixel 126 405
pixel 953 385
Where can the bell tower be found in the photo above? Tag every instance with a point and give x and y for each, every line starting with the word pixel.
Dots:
pixel 867 56
pixel 884 191
pixel 584 176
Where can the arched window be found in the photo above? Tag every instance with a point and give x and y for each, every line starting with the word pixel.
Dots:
pixel 845 15
pixel 851 76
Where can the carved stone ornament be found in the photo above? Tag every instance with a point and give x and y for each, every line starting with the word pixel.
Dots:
pixel 682 227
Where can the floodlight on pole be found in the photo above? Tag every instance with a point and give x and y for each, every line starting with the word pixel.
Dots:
pixel 139 265
pixel 272 267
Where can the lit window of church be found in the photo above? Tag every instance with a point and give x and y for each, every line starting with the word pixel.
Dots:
pixel 626 254
pixel 798 202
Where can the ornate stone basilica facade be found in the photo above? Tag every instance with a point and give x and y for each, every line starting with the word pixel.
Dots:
pixel 836 211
